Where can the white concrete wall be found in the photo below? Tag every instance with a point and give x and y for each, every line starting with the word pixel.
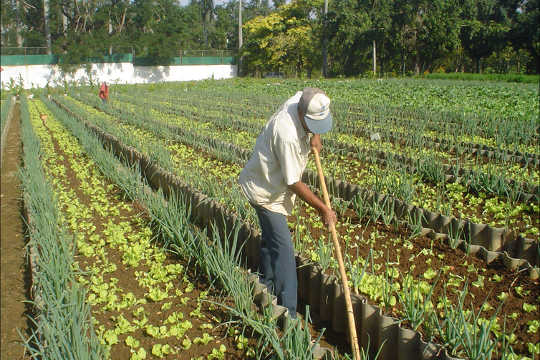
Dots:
pixel 37 76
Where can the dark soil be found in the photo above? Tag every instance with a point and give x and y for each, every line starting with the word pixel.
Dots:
pixel 460 265
pixel 14 272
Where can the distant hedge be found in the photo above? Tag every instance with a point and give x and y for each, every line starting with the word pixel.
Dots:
pixel 520 78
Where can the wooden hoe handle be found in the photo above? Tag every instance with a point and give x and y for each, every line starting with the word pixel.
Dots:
pixel 346 290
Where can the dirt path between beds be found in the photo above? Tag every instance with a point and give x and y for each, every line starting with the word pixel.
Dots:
pixel 13 265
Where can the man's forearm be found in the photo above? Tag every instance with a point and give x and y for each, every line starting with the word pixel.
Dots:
pixel 305 193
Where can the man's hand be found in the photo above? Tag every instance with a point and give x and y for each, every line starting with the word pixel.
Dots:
pixel 316 142
pixel 328 216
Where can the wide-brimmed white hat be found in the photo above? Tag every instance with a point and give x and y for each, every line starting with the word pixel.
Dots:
pixel 316 108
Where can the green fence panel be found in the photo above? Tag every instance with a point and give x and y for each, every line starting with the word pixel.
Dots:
pixel 7 60
pixel 230 60
pixel 198 60
pixel 207 60
pixel 114 58
pixel 150 61
pixel 186 60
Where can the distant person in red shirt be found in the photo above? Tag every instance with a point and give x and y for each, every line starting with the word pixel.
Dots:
pixel 104 92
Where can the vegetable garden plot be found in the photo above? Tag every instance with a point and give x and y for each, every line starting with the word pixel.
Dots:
pixel 524 249
pixel 472 169
pixel 63 329
pixel 221 107
pixel 395 268
pixel 426 189
pixel 438 223
pixel 493 108
pixel 474 163
pixel 255 112
pixel 143 301
pixel 193 156
pixel 294 342
pixel 466 167
pixel 183 159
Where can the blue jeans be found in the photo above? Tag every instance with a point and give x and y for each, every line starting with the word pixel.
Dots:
pixel 278 265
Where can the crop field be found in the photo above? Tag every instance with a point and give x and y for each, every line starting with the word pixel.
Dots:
pixel 435 184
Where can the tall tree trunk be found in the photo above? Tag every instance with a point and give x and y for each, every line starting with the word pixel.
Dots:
pixel 382 57
pixel 18 28
pixel 239 66
pixel 46 26
pixel 239 24
pixel 64 21
pixel 374 58
pixel 325 42
pixel 110 33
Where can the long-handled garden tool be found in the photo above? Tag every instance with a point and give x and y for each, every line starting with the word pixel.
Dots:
pixel 346 291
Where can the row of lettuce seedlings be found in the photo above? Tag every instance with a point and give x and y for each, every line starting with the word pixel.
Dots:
pixel 334 325
pixel 487 242
pixel 63 328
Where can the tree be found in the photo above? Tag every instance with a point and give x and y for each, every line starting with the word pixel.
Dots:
pixel 8 22
pixel 225 36
pixel 207 13
pixel 163 27
pixel 525 32
pixel 438 36
pixel 348 30
pixel 285 40
pixel 481 33
pixel 380 15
